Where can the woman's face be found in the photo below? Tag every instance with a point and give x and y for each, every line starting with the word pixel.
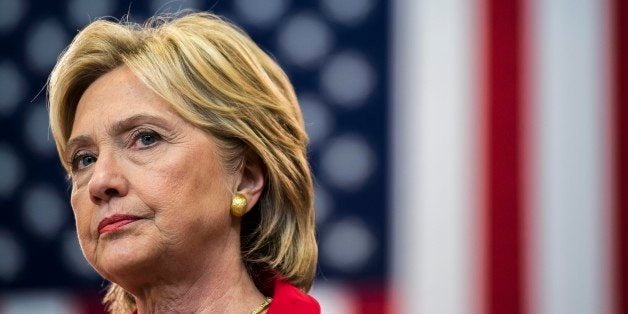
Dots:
pixel 148 187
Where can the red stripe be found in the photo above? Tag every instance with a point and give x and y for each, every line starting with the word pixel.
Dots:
pixel 91 303
pixel 503 107
pixel 371 298
pixel 620 116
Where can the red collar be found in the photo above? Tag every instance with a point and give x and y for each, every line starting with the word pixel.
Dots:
pixel 289 299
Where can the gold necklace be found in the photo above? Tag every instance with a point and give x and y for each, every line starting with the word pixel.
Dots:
pixel 262 306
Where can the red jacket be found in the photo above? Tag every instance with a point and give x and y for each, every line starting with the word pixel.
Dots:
pixel 289 299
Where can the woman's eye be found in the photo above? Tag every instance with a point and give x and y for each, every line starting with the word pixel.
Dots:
pixel 82 161
pixel 147 138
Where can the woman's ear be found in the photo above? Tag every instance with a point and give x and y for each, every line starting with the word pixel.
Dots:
pixel 252 179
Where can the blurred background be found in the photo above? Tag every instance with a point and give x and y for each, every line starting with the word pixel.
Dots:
pixel 469 156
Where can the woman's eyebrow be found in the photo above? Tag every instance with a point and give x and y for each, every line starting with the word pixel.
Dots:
pixel 80 140
pixel 134 120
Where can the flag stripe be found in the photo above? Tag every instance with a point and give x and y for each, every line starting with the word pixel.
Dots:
pixel 620 113
pixel 570 150
pixel 504 262
pixel 433 155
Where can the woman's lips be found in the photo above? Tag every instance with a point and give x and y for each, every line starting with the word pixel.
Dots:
pixel 115 222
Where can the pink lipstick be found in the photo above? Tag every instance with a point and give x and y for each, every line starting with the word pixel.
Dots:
pixel 115 222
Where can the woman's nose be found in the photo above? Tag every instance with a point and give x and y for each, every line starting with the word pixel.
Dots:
pixel 107 180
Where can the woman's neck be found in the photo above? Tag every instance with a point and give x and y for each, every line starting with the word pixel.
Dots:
pixel 216 284
pixel 223 293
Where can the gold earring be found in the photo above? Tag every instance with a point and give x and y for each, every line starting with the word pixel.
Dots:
pixel 238 205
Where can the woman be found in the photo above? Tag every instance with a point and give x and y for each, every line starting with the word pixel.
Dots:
pixel 186 151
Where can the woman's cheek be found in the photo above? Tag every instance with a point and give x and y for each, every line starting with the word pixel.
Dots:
pixel 83 224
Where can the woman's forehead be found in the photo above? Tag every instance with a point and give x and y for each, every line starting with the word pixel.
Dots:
pixel 117 98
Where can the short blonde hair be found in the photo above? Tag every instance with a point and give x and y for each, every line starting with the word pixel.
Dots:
pixel 218 79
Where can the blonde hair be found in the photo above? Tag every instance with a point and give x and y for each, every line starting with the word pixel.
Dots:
pixel 218 79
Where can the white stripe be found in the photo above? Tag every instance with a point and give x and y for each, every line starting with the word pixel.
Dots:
pixel 433 157
pixel 568 197
pixel 38 301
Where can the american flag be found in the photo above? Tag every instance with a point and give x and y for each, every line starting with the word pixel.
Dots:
pixel 469 156
pixel 510 156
